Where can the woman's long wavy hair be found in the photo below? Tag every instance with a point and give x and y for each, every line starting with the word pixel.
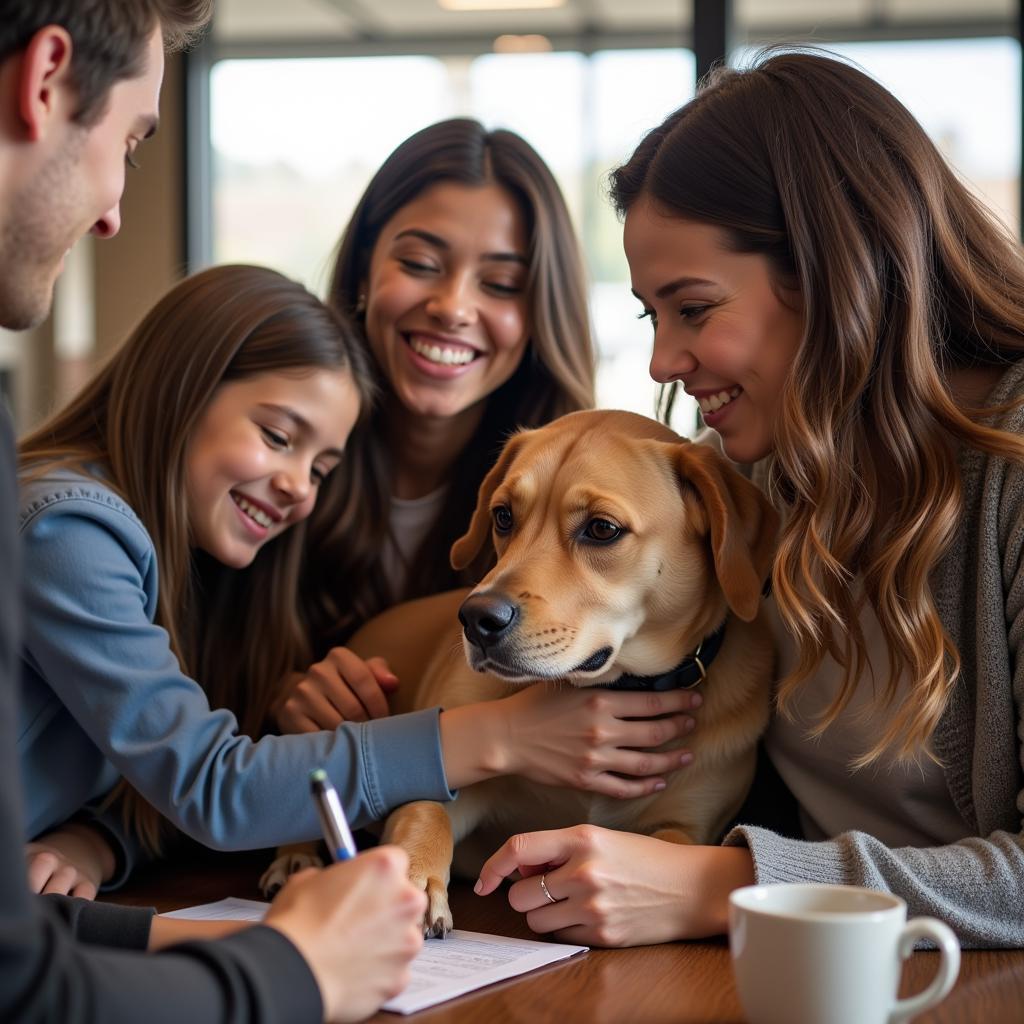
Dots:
pixel 904 278
pixel 556 374
pixel 238 632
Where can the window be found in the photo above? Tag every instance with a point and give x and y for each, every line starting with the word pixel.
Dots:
pixel 974 118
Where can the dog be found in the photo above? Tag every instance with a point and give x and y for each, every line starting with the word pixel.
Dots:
pixel 626 557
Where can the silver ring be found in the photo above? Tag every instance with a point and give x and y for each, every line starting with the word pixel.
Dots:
pixel 544 889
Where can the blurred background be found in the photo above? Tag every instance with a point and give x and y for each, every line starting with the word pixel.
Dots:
pixel 274 125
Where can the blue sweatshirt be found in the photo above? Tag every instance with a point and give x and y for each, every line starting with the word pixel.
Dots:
pixel 48 973
pixel 103 696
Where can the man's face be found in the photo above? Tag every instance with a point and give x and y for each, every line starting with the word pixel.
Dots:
pixel 71 184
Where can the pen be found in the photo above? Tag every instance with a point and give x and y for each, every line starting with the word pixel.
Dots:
pixel 332 817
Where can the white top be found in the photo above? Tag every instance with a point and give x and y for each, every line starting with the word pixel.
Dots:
pixel 911 807
pixel 410 520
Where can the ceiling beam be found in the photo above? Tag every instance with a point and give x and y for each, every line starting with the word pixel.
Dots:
pixel 384 45
pixel 365 23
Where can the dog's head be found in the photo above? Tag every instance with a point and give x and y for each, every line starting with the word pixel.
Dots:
pixel 620 545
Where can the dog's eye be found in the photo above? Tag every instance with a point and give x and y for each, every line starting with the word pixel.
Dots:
pixel 602 531
pixel 502 516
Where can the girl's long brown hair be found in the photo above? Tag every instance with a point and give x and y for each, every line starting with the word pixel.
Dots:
pixel 556 374
pixel 905 278
pixel 238 632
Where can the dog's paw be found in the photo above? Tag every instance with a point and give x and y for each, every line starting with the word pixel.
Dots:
pixel 283 866
pixel 437 919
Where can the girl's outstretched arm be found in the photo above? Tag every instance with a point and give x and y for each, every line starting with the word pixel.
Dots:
pixel 104 696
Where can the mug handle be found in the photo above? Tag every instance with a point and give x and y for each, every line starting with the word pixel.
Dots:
pixel 949 966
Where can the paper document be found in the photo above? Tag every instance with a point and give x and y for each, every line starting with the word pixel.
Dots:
pixel 231 909
pixel 444 968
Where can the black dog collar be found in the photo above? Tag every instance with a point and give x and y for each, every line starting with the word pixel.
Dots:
pixel 684 676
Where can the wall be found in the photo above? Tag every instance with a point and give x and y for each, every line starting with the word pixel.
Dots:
pixel 147 256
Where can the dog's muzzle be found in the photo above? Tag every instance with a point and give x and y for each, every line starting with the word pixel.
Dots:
pixel 487 619
pixel 490 621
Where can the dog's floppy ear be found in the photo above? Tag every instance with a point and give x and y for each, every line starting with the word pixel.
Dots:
pixel 468 546
pixel 742 523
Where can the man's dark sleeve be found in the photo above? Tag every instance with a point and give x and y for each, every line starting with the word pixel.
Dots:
pixel 101 924
pixel 255 975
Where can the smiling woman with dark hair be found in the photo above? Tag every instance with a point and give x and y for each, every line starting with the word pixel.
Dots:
pixel 462 272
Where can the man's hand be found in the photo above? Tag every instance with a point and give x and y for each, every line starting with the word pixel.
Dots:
pixel 358 924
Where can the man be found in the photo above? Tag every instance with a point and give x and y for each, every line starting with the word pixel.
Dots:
pixel 79 90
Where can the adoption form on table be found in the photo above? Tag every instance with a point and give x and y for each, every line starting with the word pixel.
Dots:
pixel 444 968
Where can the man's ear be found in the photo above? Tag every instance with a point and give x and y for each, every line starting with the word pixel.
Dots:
pixel 44 84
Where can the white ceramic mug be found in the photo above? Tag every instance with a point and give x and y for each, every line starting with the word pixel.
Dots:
pixel 830 954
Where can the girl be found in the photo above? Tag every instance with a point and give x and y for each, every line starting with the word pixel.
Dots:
pixel 162 522
pixel 462 273
pixel 851 322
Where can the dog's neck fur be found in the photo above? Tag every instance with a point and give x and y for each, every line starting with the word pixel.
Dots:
pixel 688 673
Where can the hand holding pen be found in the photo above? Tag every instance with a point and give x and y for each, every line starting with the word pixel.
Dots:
pixel 357 925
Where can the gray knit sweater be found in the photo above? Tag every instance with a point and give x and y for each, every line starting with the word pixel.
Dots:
pixel 975 885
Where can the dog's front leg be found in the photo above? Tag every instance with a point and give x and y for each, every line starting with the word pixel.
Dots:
pixel 288 860
pixel 424 830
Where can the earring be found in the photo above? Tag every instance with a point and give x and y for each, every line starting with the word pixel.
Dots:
pixel 361 304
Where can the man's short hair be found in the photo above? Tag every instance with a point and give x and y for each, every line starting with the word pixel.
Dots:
pixel 108 36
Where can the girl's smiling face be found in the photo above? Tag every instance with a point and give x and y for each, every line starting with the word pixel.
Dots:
pixel 446 305
pixel 258 454
pixel 723 326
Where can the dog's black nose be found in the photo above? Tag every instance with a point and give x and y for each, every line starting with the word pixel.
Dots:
pixel 486 617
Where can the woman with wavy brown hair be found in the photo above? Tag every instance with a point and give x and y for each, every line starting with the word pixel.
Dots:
pixel 851 322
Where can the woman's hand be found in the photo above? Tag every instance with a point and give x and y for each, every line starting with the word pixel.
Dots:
pixel 358 925
pixel 618 888
pixel 341 688
pixel 73 860
pixel 584 738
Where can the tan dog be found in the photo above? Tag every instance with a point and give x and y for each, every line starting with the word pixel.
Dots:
pixel 622 549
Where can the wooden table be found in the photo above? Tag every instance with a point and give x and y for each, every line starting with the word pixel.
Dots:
pixel 679 983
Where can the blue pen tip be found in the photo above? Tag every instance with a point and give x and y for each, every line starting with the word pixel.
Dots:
pixel 318 775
